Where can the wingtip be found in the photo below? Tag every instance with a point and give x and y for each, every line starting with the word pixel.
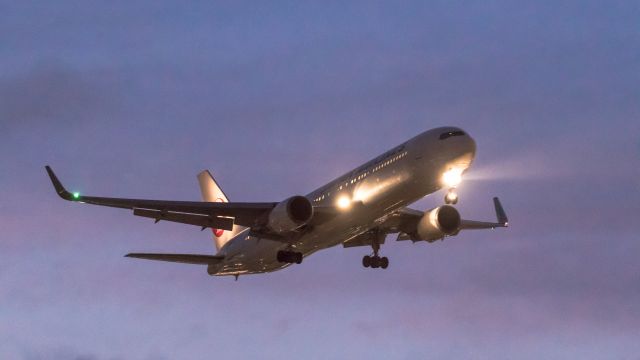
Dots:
pixel 500 213
pixel 57 185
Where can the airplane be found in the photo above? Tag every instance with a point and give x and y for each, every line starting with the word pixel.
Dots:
pixel 359 208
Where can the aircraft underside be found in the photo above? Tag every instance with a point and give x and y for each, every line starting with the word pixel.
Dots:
pixel 358 209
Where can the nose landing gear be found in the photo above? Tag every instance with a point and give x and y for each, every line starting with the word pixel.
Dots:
pixel 452 197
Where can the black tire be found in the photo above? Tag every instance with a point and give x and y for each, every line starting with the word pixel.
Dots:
pixel 384 262
pixel 279 256
pixel 298 258
pixel 366 261
pixel 375 262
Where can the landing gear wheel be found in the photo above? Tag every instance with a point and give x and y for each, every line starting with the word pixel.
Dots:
pixel 366 261
pixel 451 198
pixel 298 258
pixel 375 262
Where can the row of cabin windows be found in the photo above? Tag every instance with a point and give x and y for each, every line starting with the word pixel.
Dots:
pixel 364 175
pixel 390 161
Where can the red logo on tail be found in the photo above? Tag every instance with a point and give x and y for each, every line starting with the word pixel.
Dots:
pixel 218 232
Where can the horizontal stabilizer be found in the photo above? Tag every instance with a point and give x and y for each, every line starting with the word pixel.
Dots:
pixel 179 258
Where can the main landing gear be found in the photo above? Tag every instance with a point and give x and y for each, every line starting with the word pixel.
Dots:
pixel 452 197
pixel 291 257
pixel 375 261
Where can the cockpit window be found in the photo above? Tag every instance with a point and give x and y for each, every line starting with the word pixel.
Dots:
pixel 449 134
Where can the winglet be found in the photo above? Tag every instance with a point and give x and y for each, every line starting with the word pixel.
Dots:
pixel 62 192
pixel 500 214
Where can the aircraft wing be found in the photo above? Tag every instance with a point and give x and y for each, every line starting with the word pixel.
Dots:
pixel 205 214
pixel 179 258
pixel 404 222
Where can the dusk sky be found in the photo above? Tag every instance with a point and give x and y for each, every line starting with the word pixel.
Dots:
pixel 133 99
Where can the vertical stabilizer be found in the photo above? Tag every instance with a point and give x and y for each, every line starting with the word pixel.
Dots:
pixel 211 192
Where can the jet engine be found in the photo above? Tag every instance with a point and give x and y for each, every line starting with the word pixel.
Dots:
pixel 290 214
pixel 438 223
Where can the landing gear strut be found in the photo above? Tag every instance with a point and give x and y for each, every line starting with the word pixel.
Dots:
pixel 375 261
pixel 452 197
pixel 291 257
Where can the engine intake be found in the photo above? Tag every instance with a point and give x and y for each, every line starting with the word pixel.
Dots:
pixel 438 223
pixel 290 214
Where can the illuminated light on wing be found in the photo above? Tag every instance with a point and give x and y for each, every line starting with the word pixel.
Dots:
pixel 343 202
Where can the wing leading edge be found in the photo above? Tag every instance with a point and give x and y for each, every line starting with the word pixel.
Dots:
pixel 205 214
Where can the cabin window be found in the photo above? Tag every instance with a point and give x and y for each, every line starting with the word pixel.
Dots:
pixel 449 134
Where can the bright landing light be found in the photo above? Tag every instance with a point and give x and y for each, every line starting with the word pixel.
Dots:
pixel 452 177
pixel 344 202
pixel 76 195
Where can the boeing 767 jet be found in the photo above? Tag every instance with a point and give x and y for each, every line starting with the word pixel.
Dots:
pixel 359 208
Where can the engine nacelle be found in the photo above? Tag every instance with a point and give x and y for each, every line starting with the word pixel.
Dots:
pixel 439 222
pixel 290 214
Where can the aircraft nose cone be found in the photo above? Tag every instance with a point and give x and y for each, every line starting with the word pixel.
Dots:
pixel 469 149
pixel 471 145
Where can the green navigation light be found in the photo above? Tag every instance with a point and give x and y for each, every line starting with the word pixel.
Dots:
pixel 76 195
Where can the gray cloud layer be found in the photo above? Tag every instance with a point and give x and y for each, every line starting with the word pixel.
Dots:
pixel 135 99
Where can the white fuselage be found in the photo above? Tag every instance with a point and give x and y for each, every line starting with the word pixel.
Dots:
pixel 380 187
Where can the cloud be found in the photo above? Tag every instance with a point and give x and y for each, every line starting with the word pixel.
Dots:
pixel 59 353
pixel 54 96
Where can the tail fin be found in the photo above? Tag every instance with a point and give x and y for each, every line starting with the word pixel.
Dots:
pixel 211 192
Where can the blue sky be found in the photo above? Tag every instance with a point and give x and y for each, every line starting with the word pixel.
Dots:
pixel 135 98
